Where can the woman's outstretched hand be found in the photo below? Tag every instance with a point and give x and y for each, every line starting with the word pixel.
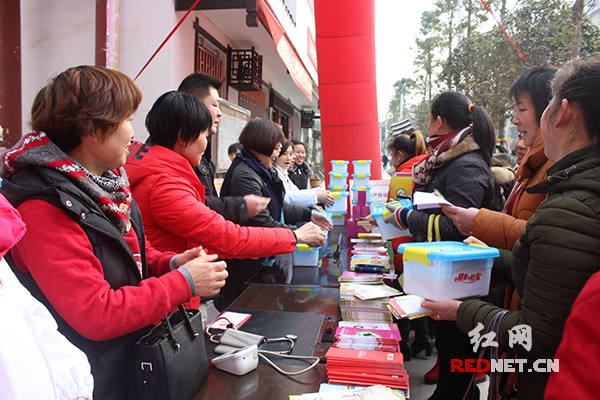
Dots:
pixel 462 217
pixel 310 234
pixel 444 310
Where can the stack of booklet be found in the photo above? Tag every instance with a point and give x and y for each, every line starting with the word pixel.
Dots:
pixel 366 301
pixel 380 337
pixel 373 263
pixel 336 392
pixel 366 367
pixel 408 306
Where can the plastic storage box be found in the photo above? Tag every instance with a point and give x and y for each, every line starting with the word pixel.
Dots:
pixel 340 202
pixel 361 180
pixel 362 166
pixel 305 256
pixel 339 166
pixel 338 178
pixel 389 231
pixel 329 216
pixel 355 191
pixel 338 218
pixel 447 270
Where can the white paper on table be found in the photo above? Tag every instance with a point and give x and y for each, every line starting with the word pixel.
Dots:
pixel 424 200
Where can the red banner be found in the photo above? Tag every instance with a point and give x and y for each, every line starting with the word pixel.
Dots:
pixel 286 51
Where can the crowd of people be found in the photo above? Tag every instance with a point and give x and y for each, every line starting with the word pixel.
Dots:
pixel 132 230
pixel 126 267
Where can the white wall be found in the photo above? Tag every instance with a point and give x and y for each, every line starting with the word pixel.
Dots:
pixel 60 34
pixel 298 34
pixel 144 25
pixel 55 35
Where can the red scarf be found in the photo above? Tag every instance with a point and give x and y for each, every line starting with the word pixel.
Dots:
pixel 438 145
pixel 110 190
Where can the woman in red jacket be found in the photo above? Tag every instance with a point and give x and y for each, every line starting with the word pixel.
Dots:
pixel 171 197
pixel 407 149
pixel 85 255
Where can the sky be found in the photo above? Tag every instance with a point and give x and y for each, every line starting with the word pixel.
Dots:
pixel 396 27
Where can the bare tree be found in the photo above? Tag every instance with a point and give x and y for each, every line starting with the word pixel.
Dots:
pixel 577 17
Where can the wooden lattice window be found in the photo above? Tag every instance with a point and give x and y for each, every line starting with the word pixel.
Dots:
pixel 207 61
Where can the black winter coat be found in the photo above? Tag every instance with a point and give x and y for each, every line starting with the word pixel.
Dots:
pixel 111 360
pixel 555 255
pixel 465 181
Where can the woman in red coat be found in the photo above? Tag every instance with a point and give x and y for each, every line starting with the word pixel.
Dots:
pixel 406 149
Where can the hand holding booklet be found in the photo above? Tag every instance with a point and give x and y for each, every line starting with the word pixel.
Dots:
pixel 408 306
pixel 368 292
pixel 424 200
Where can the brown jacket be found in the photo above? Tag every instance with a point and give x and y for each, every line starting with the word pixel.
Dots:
pixel 502 230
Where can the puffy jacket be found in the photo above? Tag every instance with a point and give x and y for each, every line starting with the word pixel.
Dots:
pixel 300 174
pixel 171 199
pixel 247 176
pixel 75 261
pixel 555 255
pixel 502 230
pixel 465 181
pixel 579 364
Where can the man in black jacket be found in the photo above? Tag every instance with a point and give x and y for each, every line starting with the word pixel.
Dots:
pixel 236 209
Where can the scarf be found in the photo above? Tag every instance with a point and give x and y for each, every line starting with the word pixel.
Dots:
pixel 301 169
pixel 443 148
pixel 110 191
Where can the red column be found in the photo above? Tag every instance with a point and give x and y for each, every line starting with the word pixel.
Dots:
pixel 10 72
pixel 345 31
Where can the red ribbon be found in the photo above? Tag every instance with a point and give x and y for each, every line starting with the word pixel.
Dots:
pixel 167 38
pixel 506 33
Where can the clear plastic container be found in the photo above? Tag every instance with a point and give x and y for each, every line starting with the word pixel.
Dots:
pixel 340 202
pixel 447 270
pixel 339 166
pixel 361 180
pixel 389 231
pixel 338 178
pixel 362 166
pixel 338 218
pixel 305 256
pixel 367 189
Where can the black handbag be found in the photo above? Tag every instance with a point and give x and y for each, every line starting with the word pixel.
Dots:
pixel 170 360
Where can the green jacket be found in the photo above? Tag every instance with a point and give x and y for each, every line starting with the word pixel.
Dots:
pixel 555 255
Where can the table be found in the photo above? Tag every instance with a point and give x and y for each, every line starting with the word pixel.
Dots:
pixel 265 382
pixel 262 383
pixel 325 274
pixel 305 299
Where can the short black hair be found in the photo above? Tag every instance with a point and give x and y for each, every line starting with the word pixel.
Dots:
pixel 536 82
pixel 177 116
pixel 286 145
pixel 199 84
pixel 296 141
pixel 261 135
pixel 234 148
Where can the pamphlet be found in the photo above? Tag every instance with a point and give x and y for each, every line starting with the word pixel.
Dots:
pixel 408 306
pixel 424 200
pixel 235 318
